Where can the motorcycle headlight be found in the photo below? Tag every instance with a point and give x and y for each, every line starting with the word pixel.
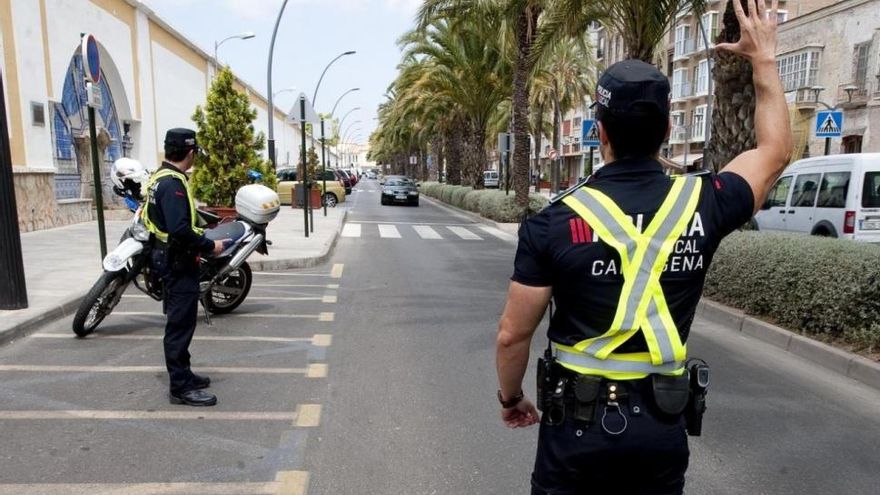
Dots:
pixel 139 232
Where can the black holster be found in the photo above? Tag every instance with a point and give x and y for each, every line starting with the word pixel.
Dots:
pixel 698 373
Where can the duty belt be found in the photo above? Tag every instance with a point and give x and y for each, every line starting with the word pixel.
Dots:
pixel 642 306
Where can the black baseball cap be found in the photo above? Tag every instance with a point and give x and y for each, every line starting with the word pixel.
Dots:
pixel 180 139
pixel 632 88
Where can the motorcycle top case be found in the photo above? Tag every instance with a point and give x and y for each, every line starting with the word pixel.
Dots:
pixel 257 203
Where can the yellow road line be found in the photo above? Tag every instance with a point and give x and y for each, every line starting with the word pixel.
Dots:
pixel 336 272
pixel 308 415
pixel 217 338
pixel 245 488
pixel 317 370
pixel 181 414
pixel 328 299
pixel 292 482
pixel 150 369
pixel 322 340
pixel 326 317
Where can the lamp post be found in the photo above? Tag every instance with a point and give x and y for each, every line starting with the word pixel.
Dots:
pixel 315 95
pixel 240 36
pixel 710 95
pixel 271 140
pixel 324 145
pixel 816 90
pixel 333 112
pixel 339 127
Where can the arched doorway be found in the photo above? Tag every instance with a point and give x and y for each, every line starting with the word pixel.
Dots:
pixel 70 134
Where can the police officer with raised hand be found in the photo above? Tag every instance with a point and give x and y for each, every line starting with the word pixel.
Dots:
pixel 170 215
pixel 624 258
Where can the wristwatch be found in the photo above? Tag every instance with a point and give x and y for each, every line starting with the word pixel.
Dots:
pixel 511 402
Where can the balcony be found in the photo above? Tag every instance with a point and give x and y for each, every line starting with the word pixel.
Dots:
pixel 678 135
pixel 853 95
pixel 805 99
pixel 684 47
pixel 680 92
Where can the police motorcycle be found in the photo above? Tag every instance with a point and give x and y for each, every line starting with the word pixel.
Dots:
pixel 224 280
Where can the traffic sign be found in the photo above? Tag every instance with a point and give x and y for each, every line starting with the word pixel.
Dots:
pixel 553 154
pixel 505 142
pixel 829 124
pixel 94 97
pixel 590 130
pixel 91 59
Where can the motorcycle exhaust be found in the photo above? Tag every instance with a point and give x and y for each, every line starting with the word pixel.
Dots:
pixel 239 258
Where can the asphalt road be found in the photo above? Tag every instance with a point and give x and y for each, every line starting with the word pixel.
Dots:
pixel 375 374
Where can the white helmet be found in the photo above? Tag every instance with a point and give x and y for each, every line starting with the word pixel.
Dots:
pixel 128 176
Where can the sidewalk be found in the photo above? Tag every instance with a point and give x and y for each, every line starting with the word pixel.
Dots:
pixel 61 264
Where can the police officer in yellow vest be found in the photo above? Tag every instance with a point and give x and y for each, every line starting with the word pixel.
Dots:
pixel 170 215
pixel 624 258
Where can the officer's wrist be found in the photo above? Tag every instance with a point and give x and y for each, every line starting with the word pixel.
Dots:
pixel 512 401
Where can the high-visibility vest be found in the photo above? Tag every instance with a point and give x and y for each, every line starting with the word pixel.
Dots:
pixel 152 185
pixel 642 306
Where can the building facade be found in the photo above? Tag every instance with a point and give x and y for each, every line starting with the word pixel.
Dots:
pixel 831 58
pixel 152 79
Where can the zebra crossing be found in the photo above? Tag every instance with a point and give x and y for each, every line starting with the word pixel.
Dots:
pixel 432 232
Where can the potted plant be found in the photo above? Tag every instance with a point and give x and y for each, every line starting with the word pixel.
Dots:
pixel 225 132
pixel 314 167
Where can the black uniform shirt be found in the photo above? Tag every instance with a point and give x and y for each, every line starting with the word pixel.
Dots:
pixel 171 213
pixel 557 248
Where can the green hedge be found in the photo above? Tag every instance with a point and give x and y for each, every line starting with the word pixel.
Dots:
pixel 828 288
pixel 490 203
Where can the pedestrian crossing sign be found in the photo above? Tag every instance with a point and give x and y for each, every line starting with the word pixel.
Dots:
pixel 829 124
pixel 591 133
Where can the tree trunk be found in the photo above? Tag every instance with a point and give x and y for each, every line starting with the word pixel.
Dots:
pixel 733 115
pixel 554 163
pixel 525 31
pixel 537 132
pixel 437 148
pixel 475 156
pixel 454 155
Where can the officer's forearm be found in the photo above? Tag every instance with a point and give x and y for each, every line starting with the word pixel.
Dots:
pixel 512 359
pixel 772 126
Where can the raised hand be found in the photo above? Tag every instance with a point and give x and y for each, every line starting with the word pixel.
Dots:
pixel 757 40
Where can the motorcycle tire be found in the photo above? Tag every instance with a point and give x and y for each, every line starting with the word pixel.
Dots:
pixel 221 301
pixel 99 302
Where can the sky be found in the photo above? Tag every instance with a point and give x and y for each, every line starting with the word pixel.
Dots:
pixel 311 34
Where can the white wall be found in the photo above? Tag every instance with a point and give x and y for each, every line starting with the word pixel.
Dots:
pixel 32 81
pixel 180 87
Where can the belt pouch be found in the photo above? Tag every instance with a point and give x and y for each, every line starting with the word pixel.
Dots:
pixel 670 393
pixel 543 386
pixel 586 391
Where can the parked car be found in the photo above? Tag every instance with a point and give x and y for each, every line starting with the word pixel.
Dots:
pixel 346 182
pixel 399 189
pixel 833 196
pixel 334 194
pixel 371 175
pixel 348 175
pixel 490 179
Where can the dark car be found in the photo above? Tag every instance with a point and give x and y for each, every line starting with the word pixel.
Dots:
pixel 400 190
pixel 346 181
pixel 351 176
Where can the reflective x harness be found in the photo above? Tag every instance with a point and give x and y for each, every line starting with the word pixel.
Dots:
pixel 152 185
pixel 642 306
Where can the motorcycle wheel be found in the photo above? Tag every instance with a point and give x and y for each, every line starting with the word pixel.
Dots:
pixel 230 292
pixel 99 302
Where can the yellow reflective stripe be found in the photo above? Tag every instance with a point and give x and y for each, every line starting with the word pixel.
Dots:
pixel 622 366
pixel 598 227
pixel 162 173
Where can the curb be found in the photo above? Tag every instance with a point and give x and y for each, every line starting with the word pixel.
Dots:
pixel 469 214
pixel 857 367
pixel 68 307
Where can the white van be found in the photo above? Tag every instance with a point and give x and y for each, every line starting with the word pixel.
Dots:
pixel 833 196
pixel 490 179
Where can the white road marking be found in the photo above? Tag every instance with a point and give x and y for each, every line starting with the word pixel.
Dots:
pixel 245 488
pixel 464 233
pixel 308 415
pixel 320 317
pixel 426 232
pixel 299 286
pixel 436 224
pixel 336 271
pixel 183 414
pixel 317 370
pixel 292 482
pixel 250 298
pixel 151 369
pixel 388 231
pixel 322 340
pixel 351 230
pixel 204 338
pixel 504 236
pixel 293 274
pixel 328 299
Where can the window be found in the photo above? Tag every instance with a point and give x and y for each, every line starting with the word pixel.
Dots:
pixel 798 70
pixel 832 193
pixel 679 79
pixel 779 193
pixel 577 122
pixel 677 118
pixel 701 78
pixel 698 123
pixel 852 144
pixel 805 190
pixel 682 39
pixel 871 190
pixel 710 23
pixel 860 68
pixel 781 16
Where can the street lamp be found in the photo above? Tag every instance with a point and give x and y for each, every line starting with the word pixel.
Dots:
pixel 816 90
pixel 285 90
pixel 324 140
pixel 315 95
pixel 333 112
pixel 271 140
pixel 240 36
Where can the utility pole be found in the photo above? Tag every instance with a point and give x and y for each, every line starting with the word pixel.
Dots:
pixel 13 292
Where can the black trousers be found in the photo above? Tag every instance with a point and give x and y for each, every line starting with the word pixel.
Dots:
pixel 649 457
pixel 181 307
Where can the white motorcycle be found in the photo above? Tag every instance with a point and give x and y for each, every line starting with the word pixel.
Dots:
pixel 224 280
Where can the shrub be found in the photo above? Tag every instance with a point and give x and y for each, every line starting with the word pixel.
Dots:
pixel 829 288
pixel 490 203
pixel 457 196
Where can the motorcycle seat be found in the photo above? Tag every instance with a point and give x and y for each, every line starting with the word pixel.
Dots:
pixel 233 230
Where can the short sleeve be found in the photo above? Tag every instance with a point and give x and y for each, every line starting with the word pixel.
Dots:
pixel 734 201
pixel 530 265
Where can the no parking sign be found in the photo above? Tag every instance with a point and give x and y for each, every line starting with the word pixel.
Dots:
pixel 91 59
